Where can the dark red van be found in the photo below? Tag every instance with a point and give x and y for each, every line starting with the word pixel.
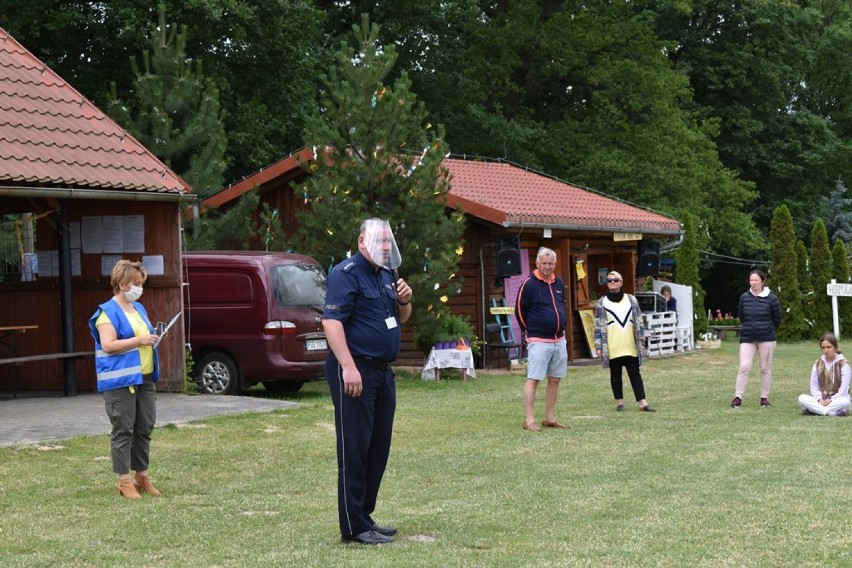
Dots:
pixel 254 317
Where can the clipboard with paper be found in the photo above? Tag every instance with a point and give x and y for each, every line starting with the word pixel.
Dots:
pixel 162 328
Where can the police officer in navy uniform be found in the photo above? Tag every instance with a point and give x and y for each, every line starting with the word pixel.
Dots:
pixel 365 305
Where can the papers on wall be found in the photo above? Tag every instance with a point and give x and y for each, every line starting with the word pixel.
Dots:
pixel 108 263
pixel 46 263
pixel 154 265
pixel 134 233
pixel 92 234
pixel 112 234
pixel 76 266
pixel 43 264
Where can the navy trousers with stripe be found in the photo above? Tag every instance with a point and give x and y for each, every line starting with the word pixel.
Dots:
pixel 364 426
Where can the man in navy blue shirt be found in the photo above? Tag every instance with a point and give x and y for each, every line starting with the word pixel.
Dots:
pixel 540 311
pixel 365 305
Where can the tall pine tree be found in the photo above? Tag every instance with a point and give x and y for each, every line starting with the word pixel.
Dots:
pixel 378 156
pixel 174 111
pixel 820 276
pixel 783 280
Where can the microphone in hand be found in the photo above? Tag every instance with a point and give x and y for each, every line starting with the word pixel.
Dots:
pixel 395 273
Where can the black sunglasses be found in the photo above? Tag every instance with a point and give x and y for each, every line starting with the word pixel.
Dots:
pixel 613 280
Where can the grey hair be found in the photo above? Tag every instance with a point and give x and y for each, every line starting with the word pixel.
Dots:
pixel 544 251
pixel 363 229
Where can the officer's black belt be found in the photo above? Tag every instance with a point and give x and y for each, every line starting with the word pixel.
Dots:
pixel 370 362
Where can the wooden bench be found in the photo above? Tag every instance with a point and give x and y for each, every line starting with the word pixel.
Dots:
pixel 721 331
pixel 42 357
pixel 47 357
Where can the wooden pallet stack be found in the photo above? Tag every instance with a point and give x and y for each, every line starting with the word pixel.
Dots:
pixel 661 332
pixel 683 339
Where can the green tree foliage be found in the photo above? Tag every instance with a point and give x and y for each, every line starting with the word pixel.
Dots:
pixel 266 58
pixel 262 57
pixel 584 92
pixel 271 230
pixel 821 270
pixel 378 156
pixel 175 111
pixel 727 109
pixel 839 221
pixel 840 272
pixel 805 287
pixel 772 72
pixel 783 280
pixel 827 89
pixel 687 273
pixel 230 229
pixel 618 122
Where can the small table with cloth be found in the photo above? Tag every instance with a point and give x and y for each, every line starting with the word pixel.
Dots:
pixel 448 358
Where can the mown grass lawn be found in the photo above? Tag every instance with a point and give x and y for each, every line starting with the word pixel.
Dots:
pixel 695 484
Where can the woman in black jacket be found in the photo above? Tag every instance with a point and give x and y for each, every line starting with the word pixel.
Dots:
pixel 760 313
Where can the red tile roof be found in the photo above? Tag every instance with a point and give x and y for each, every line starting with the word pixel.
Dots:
pixel 52 136
pixel 280 168
pixel 506 195
pixel 513 197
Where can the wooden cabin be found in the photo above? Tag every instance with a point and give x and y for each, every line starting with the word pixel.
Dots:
pixel 511 212
pixel 77 193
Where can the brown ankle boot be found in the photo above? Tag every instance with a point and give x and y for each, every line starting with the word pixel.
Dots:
pixel 127 488
pixel 143 483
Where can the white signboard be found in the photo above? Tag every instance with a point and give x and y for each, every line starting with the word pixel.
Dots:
pixel 839 289
pixel 834 289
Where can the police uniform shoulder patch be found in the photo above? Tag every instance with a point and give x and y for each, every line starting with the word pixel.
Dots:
pixel 348 266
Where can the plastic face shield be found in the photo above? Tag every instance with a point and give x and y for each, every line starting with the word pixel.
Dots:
pixel 380 245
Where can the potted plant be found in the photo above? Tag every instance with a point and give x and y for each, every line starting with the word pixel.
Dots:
pixel 709 341
pixel 445 330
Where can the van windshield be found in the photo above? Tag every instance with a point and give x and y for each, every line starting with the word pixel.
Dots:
pixel 299 285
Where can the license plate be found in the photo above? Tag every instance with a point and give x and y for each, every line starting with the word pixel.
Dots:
pixel 316 345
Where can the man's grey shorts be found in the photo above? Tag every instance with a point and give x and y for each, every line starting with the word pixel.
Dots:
pixel 547 360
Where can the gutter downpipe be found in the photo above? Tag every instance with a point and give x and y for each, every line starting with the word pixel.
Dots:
pixel 66 307
pixel 674 244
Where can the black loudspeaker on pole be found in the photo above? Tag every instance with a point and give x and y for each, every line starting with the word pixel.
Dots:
pixel 649 258
pixel 508 257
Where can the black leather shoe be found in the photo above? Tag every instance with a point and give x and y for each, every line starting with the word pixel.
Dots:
pixel 387 531
pixel 647 408
pixel 367 537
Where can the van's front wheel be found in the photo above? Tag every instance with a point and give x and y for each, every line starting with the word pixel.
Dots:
pixel 217 373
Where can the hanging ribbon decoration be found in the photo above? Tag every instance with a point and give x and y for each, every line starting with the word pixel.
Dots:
pixel 269 235
pixel 377 96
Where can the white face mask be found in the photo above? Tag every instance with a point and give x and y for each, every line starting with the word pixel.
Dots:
pixel 134 294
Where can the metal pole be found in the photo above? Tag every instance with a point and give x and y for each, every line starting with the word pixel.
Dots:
pixel 66 307
pixel 834 312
